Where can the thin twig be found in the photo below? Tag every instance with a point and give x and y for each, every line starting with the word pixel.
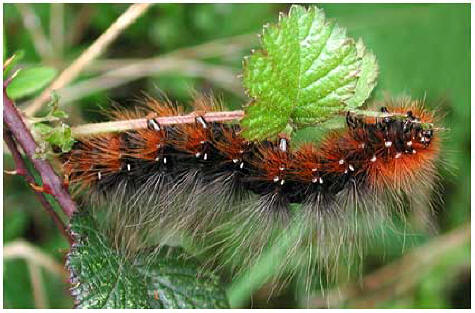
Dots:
pixel 80 23
pixel 51 182
pixel 125 125
pixel 20 249
pixel 32 24
pixel 220 75
pixel 223 47
pixel 21 169
pixel 56 28
pixel 39 295
pixel 101 43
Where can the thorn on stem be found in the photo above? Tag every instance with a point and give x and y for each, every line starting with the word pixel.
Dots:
pixel 45 188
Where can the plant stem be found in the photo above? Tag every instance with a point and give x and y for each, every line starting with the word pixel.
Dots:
pixel 21 169
pixel 14 122
pixel 101 43
pixel 125 125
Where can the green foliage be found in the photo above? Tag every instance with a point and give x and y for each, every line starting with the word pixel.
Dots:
pixel 58 136
pixel 103 278
pixel 306 73
pixel 30 80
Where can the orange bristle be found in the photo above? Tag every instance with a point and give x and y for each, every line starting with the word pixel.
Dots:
pixel 273 163
pixel 231 144
pixel 306 163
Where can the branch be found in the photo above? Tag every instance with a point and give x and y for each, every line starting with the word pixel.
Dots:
pixel 118 76
pixel 21 169
pixel 25 250
pixel 51 182
pixel 141 123
pixel 101 43
pixel 223 47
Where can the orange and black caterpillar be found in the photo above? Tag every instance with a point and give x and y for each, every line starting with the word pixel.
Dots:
pixel 389 152
pixel 198 177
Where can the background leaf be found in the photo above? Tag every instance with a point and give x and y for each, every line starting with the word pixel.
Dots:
pixel 303 75
pixel 30 80
pixel 103 278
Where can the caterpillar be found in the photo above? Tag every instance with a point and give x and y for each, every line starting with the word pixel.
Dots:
pixel 236 197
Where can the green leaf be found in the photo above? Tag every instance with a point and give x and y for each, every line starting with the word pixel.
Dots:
pixel 59 114
pixel 43 129
pixel 30 80
pixel 304 74
pixel 103 278
pixel 368 75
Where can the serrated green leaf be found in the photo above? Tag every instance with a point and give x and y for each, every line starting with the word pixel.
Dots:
pixel 103 278
pixel 306 71
pixel 367 80
pixel 29 81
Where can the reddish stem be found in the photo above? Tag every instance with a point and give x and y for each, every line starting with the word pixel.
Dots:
pixel 22 170
pixel 14 122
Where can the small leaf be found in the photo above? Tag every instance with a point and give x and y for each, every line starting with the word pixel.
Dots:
pixel 30 80
pixel 306 71
pixel 59 114
pixel 62 137
pixel 103 278
pixel 43 129
pixel 368 75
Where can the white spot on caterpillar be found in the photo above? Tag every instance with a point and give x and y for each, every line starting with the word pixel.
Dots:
pixel 241 165
pixel 165 160
pixel 205 157
pixel 414 151
pixel 373 159
pixel 159 146
pixel 346 171
pixel 314 180
pixel 281 168
pixel 157 159
pixel 362 145
pixel 282 182
pixel 235 160
pixel 154 125
pixel 351 167
pixel 99 175
pixel 276 179
pixel 283 145
pixel 341 162
pixel 314 169
pixel 128 167
pixel 320 180
pixel 388 144
pixel 409 143
pixel 398 155
pixel 197 154
pixel 201 120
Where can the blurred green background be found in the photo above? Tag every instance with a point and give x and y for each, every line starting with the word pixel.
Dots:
pixel 423 50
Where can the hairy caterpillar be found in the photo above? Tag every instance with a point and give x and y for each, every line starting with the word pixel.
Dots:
pixel 236 197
